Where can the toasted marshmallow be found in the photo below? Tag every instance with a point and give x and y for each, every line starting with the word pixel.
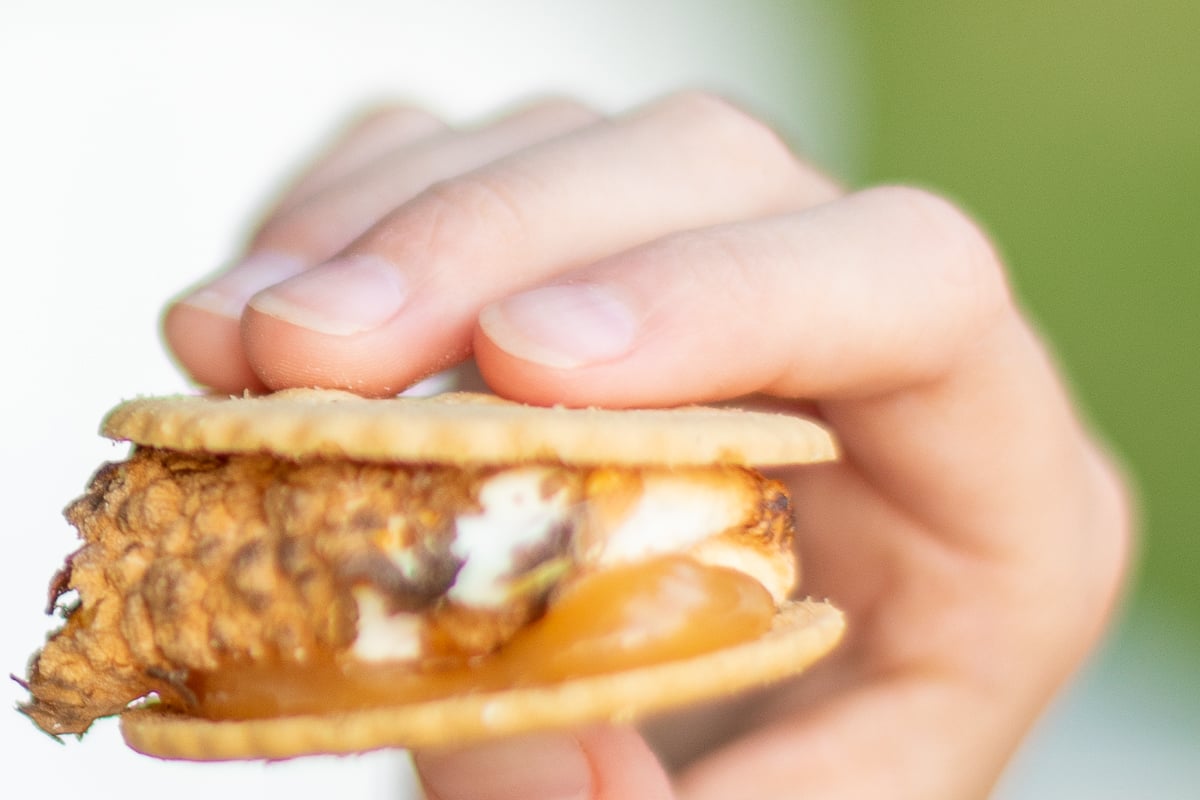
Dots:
pixel 672 514
pixel 516 516
pixel 625 516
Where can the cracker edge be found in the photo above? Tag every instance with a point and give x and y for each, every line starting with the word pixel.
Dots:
pixel 803 632
pixel 460 428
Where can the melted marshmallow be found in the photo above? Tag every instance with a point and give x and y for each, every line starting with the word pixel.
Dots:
pixel 514 517
pixel 672 515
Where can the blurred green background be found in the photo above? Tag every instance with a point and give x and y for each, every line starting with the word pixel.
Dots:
pixel 1072 131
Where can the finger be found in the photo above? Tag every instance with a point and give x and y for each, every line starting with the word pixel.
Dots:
pixel 402 301
pixel 207 343
pixel 855 298
pixel 320 225
pixel 372 135
pixel 203 327
pixel 967 524
pixel 595 764
pixel 888 307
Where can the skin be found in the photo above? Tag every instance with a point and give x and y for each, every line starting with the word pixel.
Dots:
pixel 974 532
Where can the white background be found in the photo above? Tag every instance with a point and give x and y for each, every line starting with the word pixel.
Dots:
pixel 137 141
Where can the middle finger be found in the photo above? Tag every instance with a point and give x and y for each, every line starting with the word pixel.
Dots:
pixel 320 225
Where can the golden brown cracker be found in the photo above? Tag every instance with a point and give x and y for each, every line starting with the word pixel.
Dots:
pixel 460 428
pixel 803 632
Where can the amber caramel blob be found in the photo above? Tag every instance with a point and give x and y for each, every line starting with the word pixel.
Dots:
pixel 665 609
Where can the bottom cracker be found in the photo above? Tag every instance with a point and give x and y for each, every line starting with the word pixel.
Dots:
pixel 802 633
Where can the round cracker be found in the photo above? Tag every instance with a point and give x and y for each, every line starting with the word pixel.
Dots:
pixel 803 632
pixel 461 428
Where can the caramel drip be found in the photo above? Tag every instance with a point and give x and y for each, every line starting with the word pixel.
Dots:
pixel 661 610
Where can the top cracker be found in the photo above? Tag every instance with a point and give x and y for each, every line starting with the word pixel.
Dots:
pixel 464 428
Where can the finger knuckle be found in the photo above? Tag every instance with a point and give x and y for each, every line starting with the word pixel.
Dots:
pixel 954 247
pixel 731 260
pixel 459 211
pixel 736 130
pixel 565 110
pixel 710 107
pixel 725 257
pixel 307 229
pixel 392 116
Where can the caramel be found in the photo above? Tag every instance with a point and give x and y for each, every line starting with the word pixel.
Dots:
pixel 668 608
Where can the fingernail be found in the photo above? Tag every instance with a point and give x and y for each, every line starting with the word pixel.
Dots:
pixel 341 297
pixel 228 293
pixel 562 326
pixel 548 766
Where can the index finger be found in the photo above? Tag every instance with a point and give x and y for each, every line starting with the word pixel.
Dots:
pixel 888 308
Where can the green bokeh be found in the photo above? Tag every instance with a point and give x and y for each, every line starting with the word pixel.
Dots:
pixel 1072 131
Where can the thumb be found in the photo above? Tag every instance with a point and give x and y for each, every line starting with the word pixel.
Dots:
pixel 602 763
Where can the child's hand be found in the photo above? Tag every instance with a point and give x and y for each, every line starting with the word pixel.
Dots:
pixel 973 532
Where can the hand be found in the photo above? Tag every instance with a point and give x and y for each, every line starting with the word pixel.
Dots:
pixel 973 532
